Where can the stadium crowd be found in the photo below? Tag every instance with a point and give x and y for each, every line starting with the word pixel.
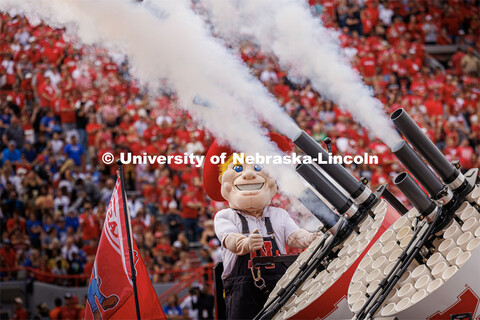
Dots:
pixel 63 106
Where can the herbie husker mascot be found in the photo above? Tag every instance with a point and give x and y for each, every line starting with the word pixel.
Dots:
pixel 249 228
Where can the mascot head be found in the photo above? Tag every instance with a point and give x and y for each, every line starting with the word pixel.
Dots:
pixel 245 187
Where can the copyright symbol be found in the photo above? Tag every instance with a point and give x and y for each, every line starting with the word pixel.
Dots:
pixel 107 158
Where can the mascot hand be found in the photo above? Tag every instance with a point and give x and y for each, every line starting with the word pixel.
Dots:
pixel 255 241
pixel 301 238
pixel 240 245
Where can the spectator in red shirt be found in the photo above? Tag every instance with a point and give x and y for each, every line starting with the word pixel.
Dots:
pixel 52 52
pixel 369 17
pixel 55 312
pixel 466 154
pixel 46 94
pixel 368 67
pixel 190 209
pixel 8 254
pixel 70 311
pixel 20 313
pixel 16 222
pixel 67 112
pixel 89 225
pixel 434 106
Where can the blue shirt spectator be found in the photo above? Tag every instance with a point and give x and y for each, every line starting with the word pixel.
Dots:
pixel 48 123
pixel 47 227
pixel 34 227
pixel 172 308
pixel 4 122
pixel 74 151
pixel 172 311
pixel 11 153
pixel 29 152
pixel 72 221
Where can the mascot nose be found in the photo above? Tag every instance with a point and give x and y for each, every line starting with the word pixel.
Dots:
pixel 249 174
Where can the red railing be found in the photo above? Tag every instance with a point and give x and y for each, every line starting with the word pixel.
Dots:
pixel 201 274
pixel 48 277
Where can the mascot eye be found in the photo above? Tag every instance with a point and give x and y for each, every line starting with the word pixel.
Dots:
pixel 238 168
pixel 258 167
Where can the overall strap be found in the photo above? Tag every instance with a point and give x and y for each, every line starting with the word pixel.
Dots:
pixel 245 229
pixel 268 225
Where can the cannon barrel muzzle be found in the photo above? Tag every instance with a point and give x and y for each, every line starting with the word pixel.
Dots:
pixel 357 190
pixel 418 168
pixel 326 188
pixel 414 193
pixel 410 130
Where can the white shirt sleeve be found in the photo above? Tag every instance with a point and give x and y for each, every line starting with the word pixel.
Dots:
pixel 290 225
pixel 224 224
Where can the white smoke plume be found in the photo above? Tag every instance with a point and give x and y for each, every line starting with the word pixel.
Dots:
pixel 167 40
pixel 307 49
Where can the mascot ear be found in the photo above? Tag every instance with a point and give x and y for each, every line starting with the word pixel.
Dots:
pixel 220 178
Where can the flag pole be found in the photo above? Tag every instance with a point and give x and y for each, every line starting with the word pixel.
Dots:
pixel 129 236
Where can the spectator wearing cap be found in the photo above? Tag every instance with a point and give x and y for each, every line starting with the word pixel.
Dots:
pixel 70 310
pixel 42 312
pixel 20 313
pixel 189 304
pixel 11 154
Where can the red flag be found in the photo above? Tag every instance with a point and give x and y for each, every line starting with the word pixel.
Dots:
pixel 110 293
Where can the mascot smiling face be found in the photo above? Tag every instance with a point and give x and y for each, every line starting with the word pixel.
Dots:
pixel 244 186
pixel 247 187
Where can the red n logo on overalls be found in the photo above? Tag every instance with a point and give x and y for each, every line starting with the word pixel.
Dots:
pixel 265 251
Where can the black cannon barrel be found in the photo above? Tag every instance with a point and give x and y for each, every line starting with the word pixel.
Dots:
pixel 414 193
pixel 422 143
pixel 336 171
pixel 418 168
pixel 318 208
pixel 317 180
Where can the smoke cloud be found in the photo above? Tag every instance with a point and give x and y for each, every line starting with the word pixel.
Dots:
pixel 305 48
pixel 166 40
